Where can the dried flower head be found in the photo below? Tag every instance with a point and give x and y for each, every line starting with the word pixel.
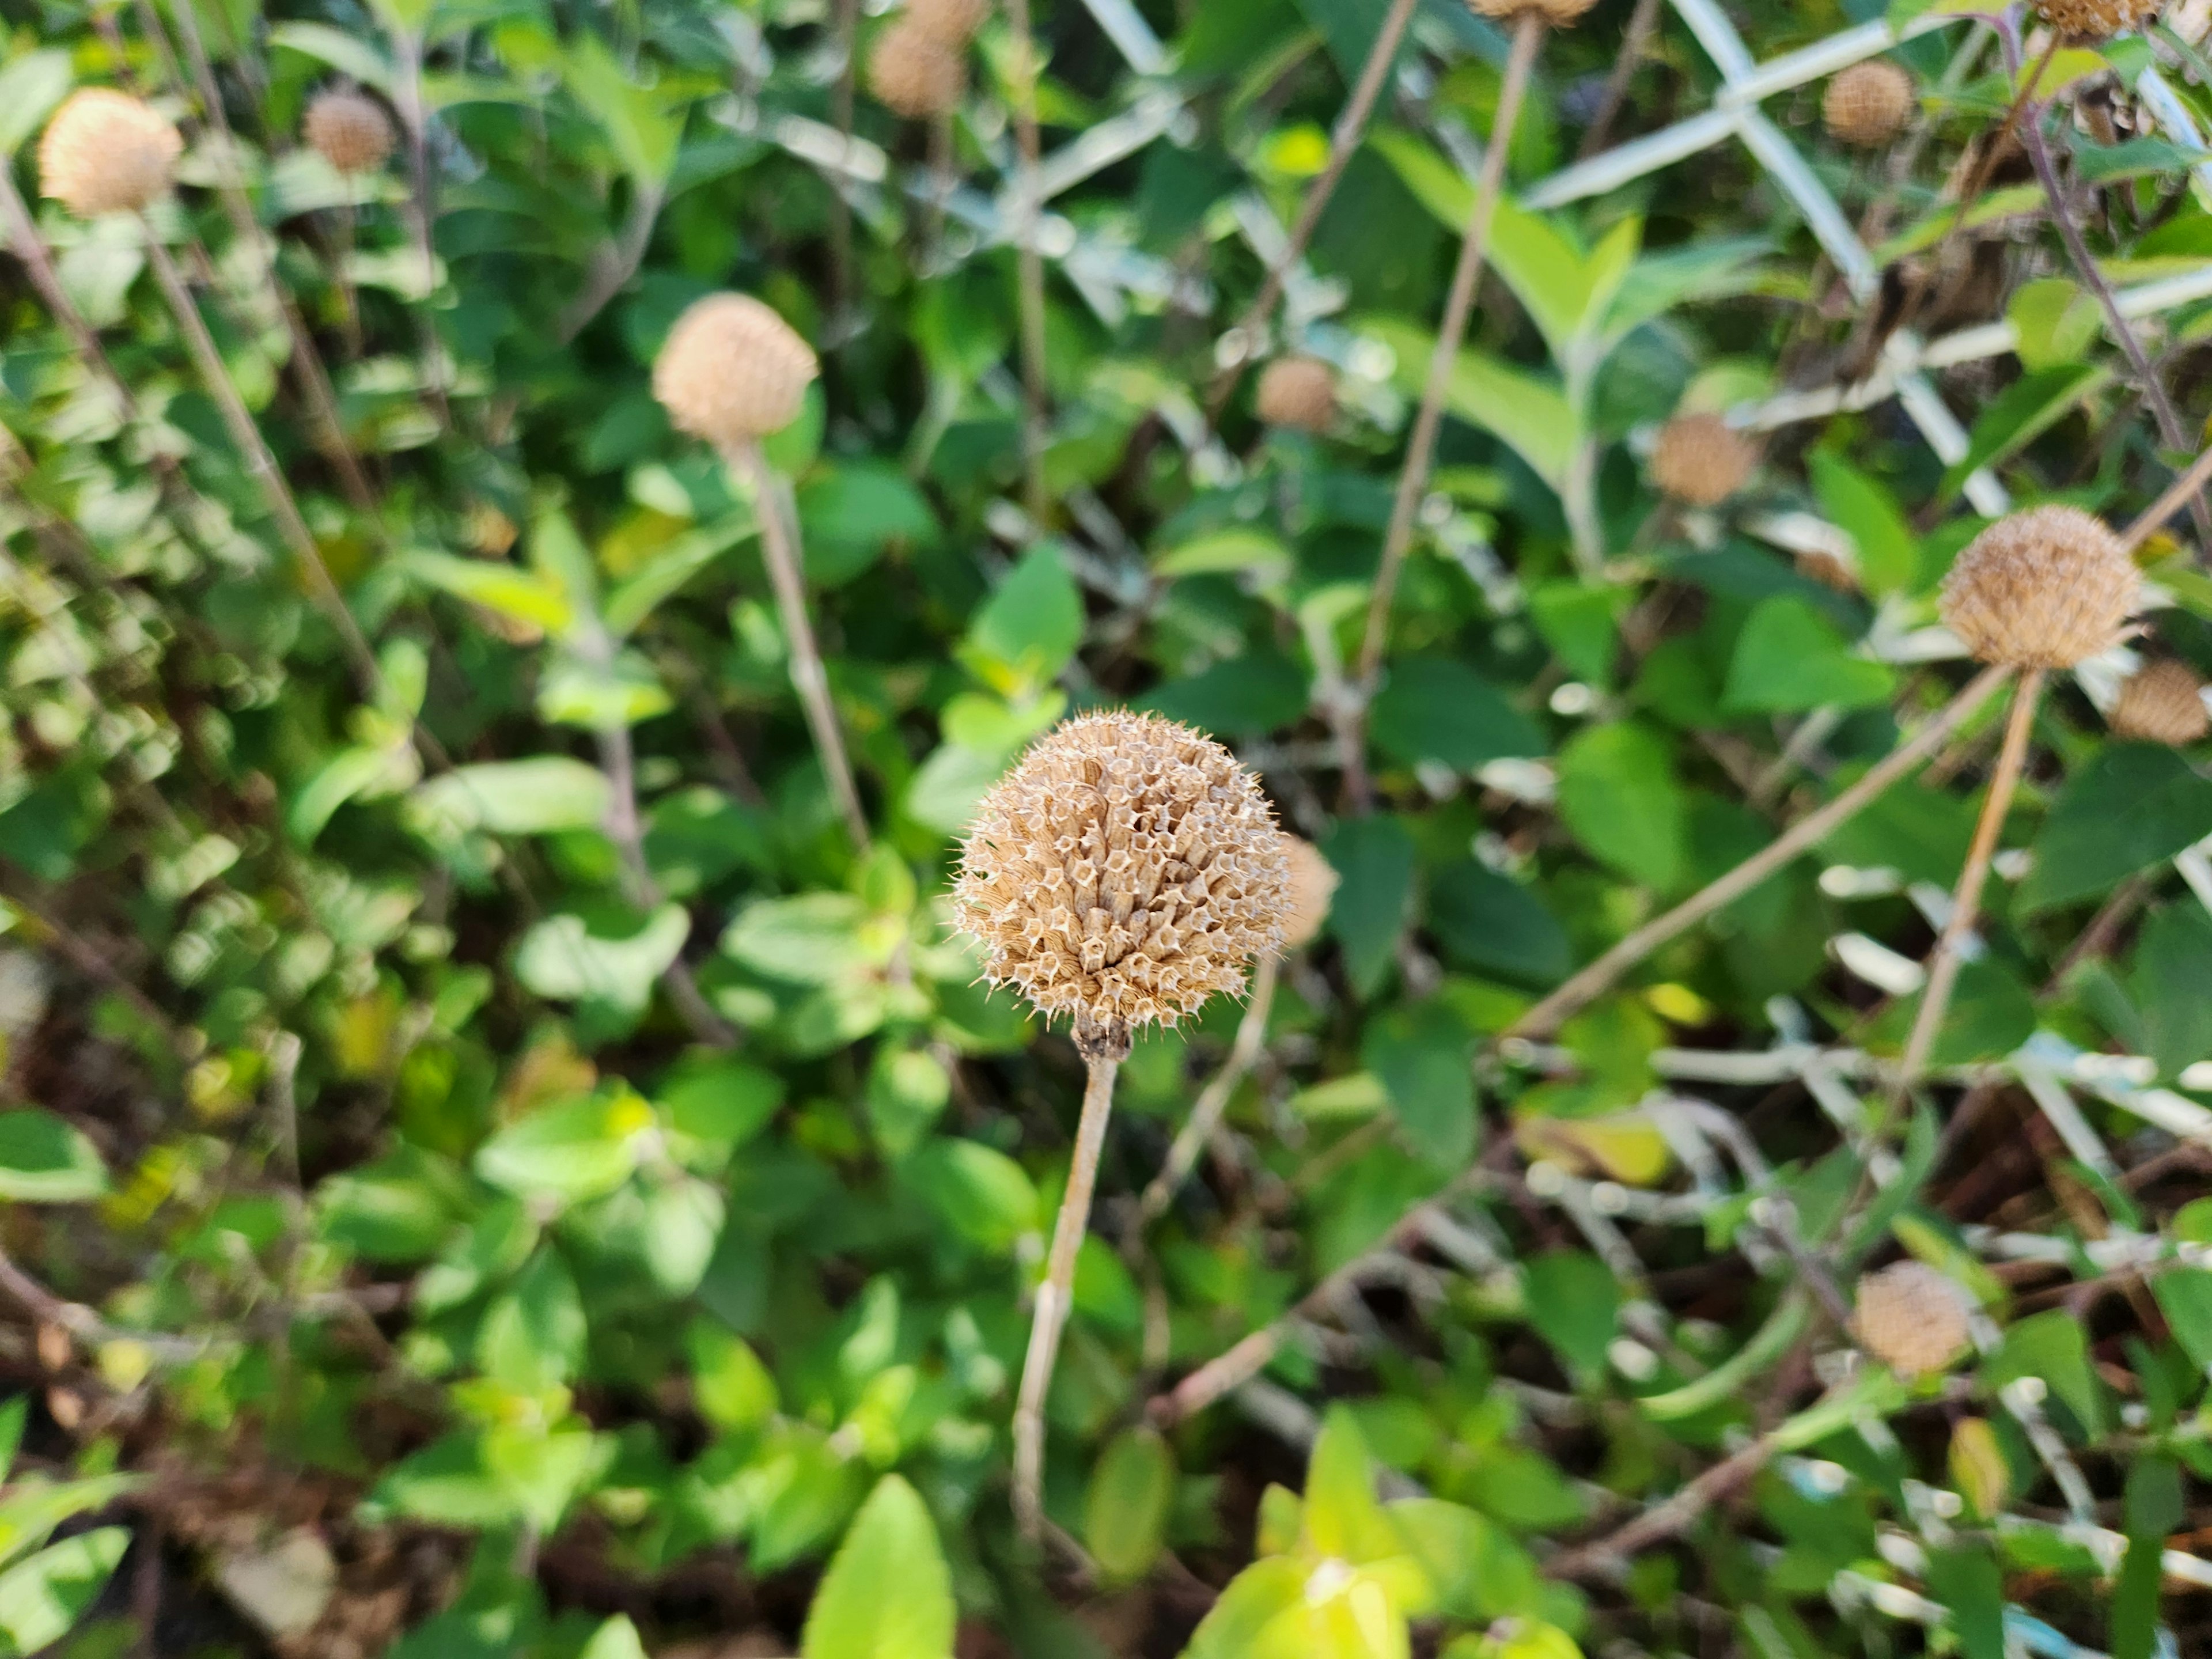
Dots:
pixel 1298 391
pixel 731 370
pixel 1558 14
pixel 1123 872
pixel 1869 104
pixel 2162 702
pixel 105 152
pixel 915 73
pixel 348 130
pixel 2040 589
pixel 953 22
pixel 1701 460
pixel 1313 883
pixel 2097 20
pixel 1911 1318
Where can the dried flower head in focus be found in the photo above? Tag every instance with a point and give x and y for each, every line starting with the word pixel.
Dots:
pixel 2097 20
pixel 106 152
pixel 1911 1318
pixel 1313 883
pixel 2163 702
pixel 1701 460
pixel 1124 871
pixel 1556 14
pixel 2044 588
pixel 1298 391
pixel 915 73
pixel 348 130
pixel 1869 104
pixel 732 371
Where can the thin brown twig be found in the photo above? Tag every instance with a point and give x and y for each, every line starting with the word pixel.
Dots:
pixel 2175 496
pixel 1205 1115
pixel 1635 41
pixel 1029 259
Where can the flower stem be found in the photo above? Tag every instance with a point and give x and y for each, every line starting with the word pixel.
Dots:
pixel 1205 1115
pixel 1028 260
pixel 1053 1296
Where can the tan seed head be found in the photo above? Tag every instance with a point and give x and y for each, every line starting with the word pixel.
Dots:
pixel 348 130
pixel 2162 702
pixel 1556 14
pixel 915 73
pixel 105 152
pixel 1869 104
pixel 1911 1318
pixel 1298 391
pixel 1124 871
pixel 1313 883
pixel 2041 589
pixel 953 22
pixel 1701 460
pixel 2097 20
pixel 732 371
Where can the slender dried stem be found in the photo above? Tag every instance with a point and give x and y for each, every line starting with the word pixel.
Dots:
pixel 407 97
pixel 1599 977
pixel 780 552
pixel 847 15
pixel 1966 899
pixel 1205 1115
pixel 1351 127
pixel 25 242
pixel 1054 1295
pixel 1028 261
pixel 2176 495
pixel 1635 41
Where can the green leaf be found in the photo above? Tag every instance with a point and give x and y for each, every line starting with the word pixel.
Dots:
pixel 1524 411
pixel 2031 406
pixel 517 798
pixel 634 599
pixel 732 1389
pixel 1027 631
pixel 1619 795
pixel 571 1149
pixel 717 1102
pixel 1255 691
pixel 1234 550
pixel 2133 806
pixel 811 939
pixel 523 595
pixel 563 957
pixel 1342 1517
pixel 1432 708
pixel 1423 1056
pixel 642 122
pixel 1374 859
pixel 348 54
pixel 853 512
pixel 888 1593
pixel 1789 659
pixel 683 1219
pixel 45 1160
pixel 359 773
pixel 1863 508
pixel 2052 1346
pixel 533 1333
pixel 41 1598
pixel 1581 624
pixel 31 85
pixel 1124 1512
pixel 1493 923
pixel 615 1639
pixel 2173 969
pixel 978 1191
pixel 1573 1302
pixel 2056 322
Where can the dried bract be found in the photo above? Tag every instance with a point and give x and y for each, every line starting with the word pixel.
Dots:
pixel 1869 104
pixel 348 130
pixel 1126 870
pixel 915 73
pixel 1911 1318
pixel 1298 391
pixel 2044 588
pixel 105 152
pixel 1313 883
pixel 732 371
pixel 1701 460
pixel 2162 702
pixel 2097 20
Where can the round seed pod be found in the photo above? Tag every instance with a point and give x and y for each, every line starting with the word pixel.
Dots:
pixel 953 22
pixel 2041 589
pixel 733 370
pixel 2162 702
pixel 106 152
pixel 1313 883
pixel 1298 391
pixel 1701 460
pixel 915 73
pixel 1869 104
pixel 2097 20
pixel 1556 14
pixel 1911 1318
pixel 348 130
pixel 1124 871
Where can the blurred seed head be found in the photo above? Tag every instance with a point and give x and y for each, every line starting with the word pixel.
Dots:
pixel 106 152
pixel 1911 1318
pixel 915 73
pixel 2097 20
pixel 1126 870
pixel 1298 391
pixel 2162 702
pixel 1701 460
pixel 1557 14
pixel 953 22
pixel 348 130
pixel 1313 883
pixel 2041 589
pixel 1869 104
pixel 732 371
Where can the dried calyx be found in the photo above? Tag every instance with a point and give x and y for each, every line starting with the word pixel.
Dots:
pixel 732 371
pixel 1126 870
pixel 1556 14
pixel 2046 588
pixel 1298 391
pixel 1313 883
pixel 1911 1318
pixel 105 152
pixel 2162 702
pixel 1701 460
pixel 915 72
pixel 348 130
pixel 1869 104
pixel 2097 20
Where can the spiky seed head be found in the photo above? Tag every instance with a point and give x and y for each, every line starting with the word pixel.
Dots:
pixel 2041 589
pixel 1556 14
pixel 1701 460
pixel 731 370
pixel 2097 20
pixel 1298 391
pixel 1313 883
pixel 1869 104
pixel 1124 871
pixel 106 152
pixel 915 73
pixel 348 130
pixel 953 22
pixel 1911 1318
pixel 2162 702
